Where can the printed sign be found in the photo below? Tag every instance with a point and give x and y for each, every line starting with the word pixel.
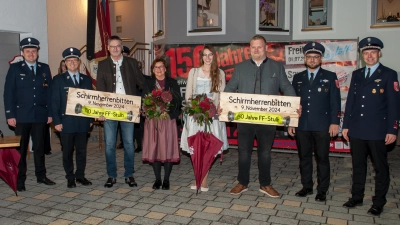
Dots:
pixel 274 110
pixel 88 103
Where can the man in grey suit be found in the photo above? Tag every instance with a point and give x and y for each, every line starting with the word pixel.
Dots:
pixel 259 75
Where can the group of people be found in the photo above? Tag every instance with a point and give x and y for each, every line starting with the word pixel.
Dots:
pixel 32 100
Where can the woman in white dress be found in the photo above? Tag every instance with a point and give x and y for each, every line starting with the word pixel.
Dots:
pixel 208 79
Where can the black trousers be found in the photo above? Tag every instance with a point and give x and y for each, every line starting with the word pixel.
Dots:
pixel 47 145
pixel 265 136
pixel 360 149
pixel 319 141
pixel 69 142
pixel 25 130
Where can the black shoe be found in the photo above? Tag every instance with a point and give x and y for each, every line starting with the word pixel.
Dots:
pixel 48 153
pixel 131 182
pixel 157 184
pixel 353 203
pixel 139 149
pixel 71 183
pixel 321 196
pixel 45 181
pixel 375 210
pixel 165 185
pixel 84 182
pixel 110 182
pixel 21 189
pixel 304 192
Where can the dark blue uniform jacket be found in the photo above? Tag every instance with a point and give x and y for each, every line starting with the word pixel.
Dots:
pixel 320 101
pixel 71 124
pixel 26 97
pixel 372 107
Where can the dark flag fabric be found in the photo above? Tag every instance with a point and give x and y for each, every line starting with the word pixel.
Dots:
pixel 9 159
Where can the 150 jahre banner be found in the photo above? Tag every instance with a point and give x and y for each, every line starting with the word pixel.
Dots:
pixel 340 56
pixel 88 103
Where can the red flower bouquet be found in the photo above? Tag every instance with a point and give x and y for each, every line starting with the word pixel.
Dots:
pixel 156 104
pixel 202 109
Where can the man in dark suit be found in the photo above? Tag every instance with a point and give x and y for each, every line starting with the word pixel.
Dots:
pixel 27 104
pixel 320 99
pixel 119 74
pixel 259 75
pixel 371 122
pixel 73 129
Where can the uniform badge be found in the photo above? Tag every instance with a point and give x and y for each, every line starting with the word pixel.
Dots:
pixel 22 75
pixel 373 91
pixel 39 65
pixel 378 80
pixel 326 89
pixel 319 89
pixel 325 80
pixel 23 64
pixel 381 90
pixel 396 86
pixel 337 83
pixel 67 77
pixel 300 82
pixel 81 78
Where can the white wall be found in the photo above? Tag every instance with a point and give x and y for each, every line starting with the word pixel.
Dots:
pixel 66 21
pixel 352 19
pixel 29 18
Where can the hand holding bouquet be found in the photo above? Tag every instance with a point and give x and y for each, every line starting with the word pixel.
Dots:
pixel 202 109
pixel 156 104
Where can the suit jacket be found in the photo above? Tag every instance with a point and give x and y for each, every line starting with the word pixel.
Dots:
pixel 192 81
pixel 372 106
pixel 59 93
pixel 172 85
pixel 273 78
pixel 26 96
pixel 131 76
pixel 320 100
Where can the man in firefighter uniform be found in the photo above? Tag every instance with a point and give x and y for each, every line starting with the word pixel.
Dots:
pixel 371 122
pixel 319 121
pixel 27 105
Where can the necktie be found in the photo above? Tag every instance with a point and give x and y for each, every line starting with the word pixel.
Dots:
pixel 367 77
pixel 33 70
pixel 75 81
pixel 311 77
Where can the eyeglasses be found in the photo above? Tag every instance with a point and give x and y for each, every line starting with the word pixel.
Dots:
pixel 159 67
pixel 115 47
pixel 207 55
pixel 313 57
pixel 72 60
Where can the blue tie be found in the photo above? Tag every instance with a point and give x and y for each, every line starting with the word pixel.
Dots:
pixel 75 81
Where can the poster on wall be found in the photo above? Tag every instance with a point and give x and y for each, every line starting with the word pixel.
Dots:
pixel 340 56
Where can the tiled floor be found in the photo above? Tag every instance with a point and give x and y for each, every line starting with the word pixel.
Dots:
pixel 121 204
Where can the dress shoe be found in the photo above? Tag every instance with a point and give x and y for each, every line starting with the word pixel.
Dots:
pixel 84 182
pixel 71 183
pixel 304 192
pixel 375 210
pixel 238 189
pixel 21 189
pixel 110 182
pixel 321 196
pixel 45 181
pixel 353 203
pixel 131 182
pixel 157 184
pixel 48 153
pixel 165 185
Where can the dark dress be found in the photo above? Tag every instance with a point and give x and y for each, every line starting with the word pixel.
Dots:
pixel 160 139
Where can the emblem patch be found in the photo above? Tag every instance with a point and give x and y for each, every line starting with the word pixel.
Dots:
pixel 396 86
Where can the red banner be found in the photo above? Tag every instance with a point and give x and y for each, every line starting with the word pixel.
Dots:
pixel 340 57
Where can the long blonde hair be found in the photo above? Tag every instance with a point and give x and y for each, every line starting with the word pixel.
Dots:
pixel 214 71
